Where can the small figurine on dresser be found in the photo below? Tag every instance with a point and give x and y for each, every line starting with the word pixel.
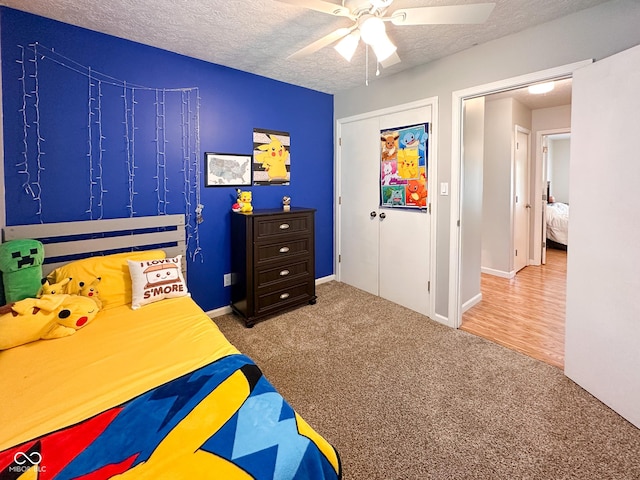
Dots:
pixel 286 203
pixel 243 203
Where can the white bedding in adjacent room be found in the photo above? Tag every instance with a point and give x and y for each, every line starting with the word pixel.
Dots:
pixel 558 222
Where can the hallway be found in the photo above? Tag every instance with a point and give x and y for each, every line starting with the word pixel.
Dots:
pixel 525 313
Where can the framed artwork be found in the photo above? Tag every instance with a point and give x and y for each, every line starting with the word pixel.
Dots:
pixel 227 169
pixel 271 157
pixel 404 163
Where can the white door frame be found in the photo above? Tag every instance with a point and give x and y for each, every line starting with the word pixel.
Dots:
pixel 540 196
pixel 431 182
pixel 457 98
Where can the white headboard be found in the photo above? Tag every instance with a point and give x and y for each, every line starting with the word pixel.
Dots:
pixel 68 240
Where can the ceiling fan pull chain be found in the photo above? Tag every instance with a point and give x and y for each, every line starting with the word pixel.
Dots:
pixel 366 65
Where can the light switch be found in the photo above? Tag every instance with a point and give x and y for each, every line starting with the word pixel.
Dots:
pixel 444 188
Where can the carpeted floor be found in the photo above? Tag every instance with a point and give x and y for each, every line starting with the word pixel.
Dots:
pixel 403 397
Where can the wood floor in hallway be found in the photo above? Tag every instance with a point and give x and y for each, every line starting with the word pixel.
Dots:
pixel 525 313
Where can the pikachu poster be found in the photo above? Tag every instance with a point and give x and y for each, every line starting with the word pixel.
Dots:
pixel 271 157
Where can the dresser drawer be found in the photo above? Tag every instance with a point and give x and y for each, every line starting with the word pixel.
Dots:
pixel 284 249
pixel 266 228
pixel 278 299
pixel 283 273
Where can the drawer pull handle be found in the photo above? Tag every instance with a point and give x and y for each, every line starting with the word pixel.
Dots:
pixel 284 249
pixel 284 226
pixel 283 296
pixel 284 273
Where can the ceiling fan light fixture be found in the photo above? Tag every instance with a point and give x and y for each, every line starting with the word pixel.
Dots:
pixel 347 46
pixel 373 33
pixel 541 88
pixel 383 48
pixel 371 28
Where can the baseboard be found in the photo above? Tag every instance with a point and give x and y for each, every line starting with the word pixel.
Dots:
pixel 497 273
pixel 217 312
pixel 471 302
pixel 441 319
pixel 326 279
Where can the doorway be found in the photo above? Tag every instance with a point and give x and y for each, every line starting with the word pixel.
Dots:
pixel 555 151
pixel 459 242
pixel 512 302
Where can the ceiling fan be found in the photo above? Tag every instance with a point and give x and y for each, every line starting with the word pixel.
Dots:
pixel 369 18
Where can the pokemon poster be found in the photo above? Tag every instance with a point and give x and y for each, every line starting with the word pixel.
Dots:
pixel 271 158
pixel 404 162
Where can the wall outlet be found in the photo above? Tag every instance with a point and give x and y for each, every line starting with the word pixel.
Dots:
pixel 227 279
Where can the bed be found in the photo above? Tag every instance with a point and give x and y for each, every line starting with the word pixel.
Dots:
pixel 155 392
pixel 557 218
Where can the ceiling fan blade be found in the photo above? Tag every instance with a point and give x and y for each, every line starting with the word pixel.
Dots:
pixel 321 6
pixel 391 60
pixel 447 15
pixel 321 43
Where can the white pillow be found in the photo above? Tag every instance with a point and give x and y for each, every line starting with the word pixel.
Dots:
pixel 153 280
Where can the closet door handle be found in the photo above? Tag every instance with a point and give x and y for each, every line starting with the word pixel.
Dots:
pixel 383 215
pixel 372 214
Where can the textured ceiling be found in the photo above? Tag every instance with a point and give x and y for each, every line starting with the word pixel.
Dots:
pixel 257 36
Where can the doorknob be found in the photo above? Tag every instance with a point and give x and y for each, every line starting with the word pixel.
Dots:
pixel 372 214
pixel 383 215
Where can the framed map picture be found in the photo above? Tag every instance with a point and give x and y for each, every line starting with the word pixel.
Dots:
pixel 227 169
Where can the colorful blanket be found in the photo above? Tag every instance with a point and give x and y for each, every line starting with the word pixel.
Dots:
pixel 224 420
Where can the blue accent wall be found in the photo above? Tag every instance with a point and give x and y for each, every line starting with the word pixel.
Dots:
pixel 232 104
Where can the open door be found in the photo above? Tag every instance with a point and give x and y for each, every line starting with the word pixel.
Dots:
pixel 545 196
pixel 603 317
pixel 521 205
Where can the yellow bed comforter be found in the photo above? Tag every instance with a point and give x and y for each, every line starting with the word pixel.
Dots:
pixel 152 393
pixel 50 384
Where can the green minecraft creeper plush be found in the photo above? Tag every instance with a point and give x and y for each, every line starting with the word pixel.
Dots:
pixel 21 267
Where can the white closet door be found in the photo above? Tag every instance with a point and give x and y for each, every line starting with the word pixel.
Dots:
pixel 405 238
pixel 359 190
pixel 384 251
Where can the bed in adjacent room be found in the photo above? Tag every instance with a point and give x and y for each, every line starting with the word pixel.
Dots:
pixel 557 218
pixel 151 392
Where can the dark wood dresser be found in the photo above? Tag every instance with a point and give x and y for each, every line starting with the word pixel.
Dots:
pixel 272 261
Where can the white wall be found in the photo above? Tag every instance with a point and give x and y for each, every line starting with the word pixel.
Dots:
pixel 593 33
pixel 473 159
pixel 501 117
pixel 559 151
pixel 496 211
